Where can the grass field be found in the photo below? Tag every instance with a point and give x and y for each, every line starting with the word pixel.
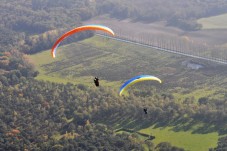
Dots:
pixel 214 22
pixel 201 142
pixel 185 135
pixel 114 62
pixel 183 139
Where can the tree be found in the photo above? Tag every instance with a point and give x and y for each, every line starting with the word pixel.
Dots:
pixel 203 100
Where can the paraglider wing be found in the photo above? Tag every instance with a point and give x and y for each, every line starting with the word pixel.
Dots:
pixel 135 80
pixel 79 29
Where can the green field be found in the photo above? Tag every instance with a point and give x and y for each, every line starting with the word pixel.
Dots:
pixel 214 22
pixel 114 62
pixel 184 135
pixel 184 139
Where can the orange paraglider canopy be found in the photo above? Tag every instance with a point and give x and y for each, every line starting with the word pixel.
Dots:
pixel 76 30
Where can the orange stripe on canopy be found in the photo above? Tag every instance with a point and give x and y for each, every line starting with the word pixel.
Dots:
pixel 79 29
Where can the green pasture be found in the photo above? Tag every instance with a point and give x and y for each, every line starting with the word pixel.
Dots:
pixel 191 135
pixel 184 139
pixel 183 93
pixel 214 22
pixel 179 138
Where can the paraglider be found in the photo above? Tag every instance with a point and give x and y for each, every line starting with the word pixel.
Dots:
pixel 96 81
pixel 135 80
pixel 76 30
pixel 145 110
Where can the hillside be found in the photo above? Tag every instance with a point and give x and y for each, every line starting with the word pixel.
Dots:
pixel 52 104
pixel 81 61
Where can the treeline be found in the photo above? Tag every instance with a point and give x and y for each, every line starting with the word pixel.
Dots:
pixel 16 64
pixel 36 17
pixel 46 40
pixel 222 144
pixel 34 25
pixel 88 137
pixel 8 39
pixel 182 14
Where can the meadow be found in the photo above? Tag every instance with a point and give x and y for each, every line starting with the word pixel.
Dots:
pixel 214 22
pixel 183 139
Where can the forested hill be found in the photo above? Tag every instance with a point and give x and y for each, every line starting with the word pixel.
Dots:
pixel 151 10
pixel 35 16
pixel 37 23
pixel 178 13
pixel 49 116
